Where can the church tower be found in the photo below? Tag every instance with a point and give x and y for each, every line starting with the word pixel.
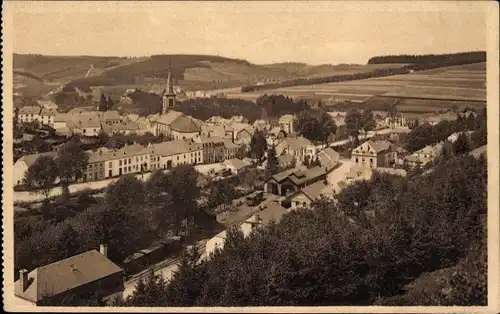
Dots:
pixel 168 95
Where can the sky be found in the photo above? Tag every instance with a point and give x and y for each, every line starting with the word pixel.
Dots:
pixel 313 32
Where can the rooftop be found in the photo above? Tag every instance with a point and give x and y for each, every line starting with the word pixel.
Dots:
pixel 314 190
pixel 67 274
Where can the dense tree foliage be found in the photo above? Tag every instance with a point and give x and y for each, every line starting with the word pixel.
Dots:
pixel 71 161
pixel 41 175
pixel 381 236
pixel 315 126
pixel 272 166
pixel 103 103
pixel 465 57
pixel 131 216
pixel 258 145
pixel 426 134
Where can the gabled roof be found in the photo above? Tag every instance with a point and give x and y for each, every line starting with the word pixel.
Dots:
pixel 314 191
pixel 380 146
pixel 67 274
pixel 48 112
pixel 295 143
pixel 30 159
pixel 271 212
pixel 301 176
pixel 229 144
pixel 184 124
pixel 328 156
pixel 174 148
pixel 286 118
pixel 29 110
pixel 169 117
pixel 235 163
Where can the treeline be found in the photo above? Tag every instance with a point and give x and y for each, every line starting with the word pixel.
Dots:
pixel 204 108
pixel 434 63
pixel 380 236
pixel 466 57
pixel 427 134
pixel 131 216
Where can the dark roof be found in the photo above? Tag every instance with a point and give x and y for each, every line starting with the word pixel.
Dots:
pixel 66 274
pixel 184 124
pixel 301 176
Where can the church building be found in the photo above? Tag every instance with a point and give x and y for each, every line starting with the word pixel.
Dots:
pixel 172 122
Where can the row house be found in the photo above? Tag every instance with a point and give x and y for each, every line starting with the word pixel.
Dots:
pixel 375 154
pixel 47 116
pixel 28 114
pixel 213 148
pixel 136 159
pixel 424 155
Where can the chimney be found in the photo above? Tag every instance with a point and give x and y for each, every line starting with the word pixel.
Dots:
pixel 103 249
pixel 23 279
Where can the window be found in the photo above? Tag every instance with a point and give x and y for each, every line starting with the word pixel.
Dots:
pixel 357 160
pixel 177 157
pixel 129 161
pixel 129 168
pixel 119 163
pixel 84 130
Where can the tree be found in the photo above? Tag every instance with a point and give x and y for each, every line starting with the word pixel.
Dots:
pixel 41 175
pixel 258 145
pixel 272 166
pixel 461 145
pixel 183 188
pixel 149 292
pixel 103 103
pixel 71 162
pixel 368 121
pixel 221 193
pixel 354 123
pixel 327 127
pixel 68 243
pixel 308 126
pixel 103 138
pixel 110 103
pixel 242 152
pixel 186 285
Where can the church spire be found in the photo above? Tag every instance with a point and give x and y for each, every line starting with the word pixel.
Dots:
pixel 170 87
pixel 168 95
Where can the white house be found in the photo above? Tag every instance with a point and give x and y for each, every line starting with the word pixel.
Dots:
pixel 22 164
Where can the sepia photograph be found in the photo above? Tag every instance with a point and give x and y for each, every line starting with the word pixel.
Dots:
pixel 250 156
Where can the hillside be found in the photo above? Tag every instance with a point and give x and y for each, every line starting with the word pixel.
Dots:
pixel 191 72
pixel 428 90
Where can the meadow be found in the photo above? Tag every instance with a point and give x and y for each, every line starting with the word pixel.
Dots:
pixel 442 87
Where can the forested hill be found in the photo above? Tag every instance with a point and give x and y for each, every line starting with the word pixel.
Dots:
pixel 465 57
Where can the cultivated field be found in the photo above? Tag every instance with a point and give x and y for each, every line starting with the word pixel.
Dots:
pixel 439 87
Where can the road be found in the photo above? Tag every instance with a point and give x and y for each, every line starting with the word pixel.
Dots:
pixel 96 185
pixel 338 174
pixel 369 135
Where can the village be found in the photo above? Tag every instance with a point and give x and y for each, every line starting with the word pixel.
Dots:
pixel 302 172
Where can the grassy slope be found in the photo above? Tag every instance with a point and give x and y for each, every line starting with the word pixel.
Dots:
pixel 192 71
